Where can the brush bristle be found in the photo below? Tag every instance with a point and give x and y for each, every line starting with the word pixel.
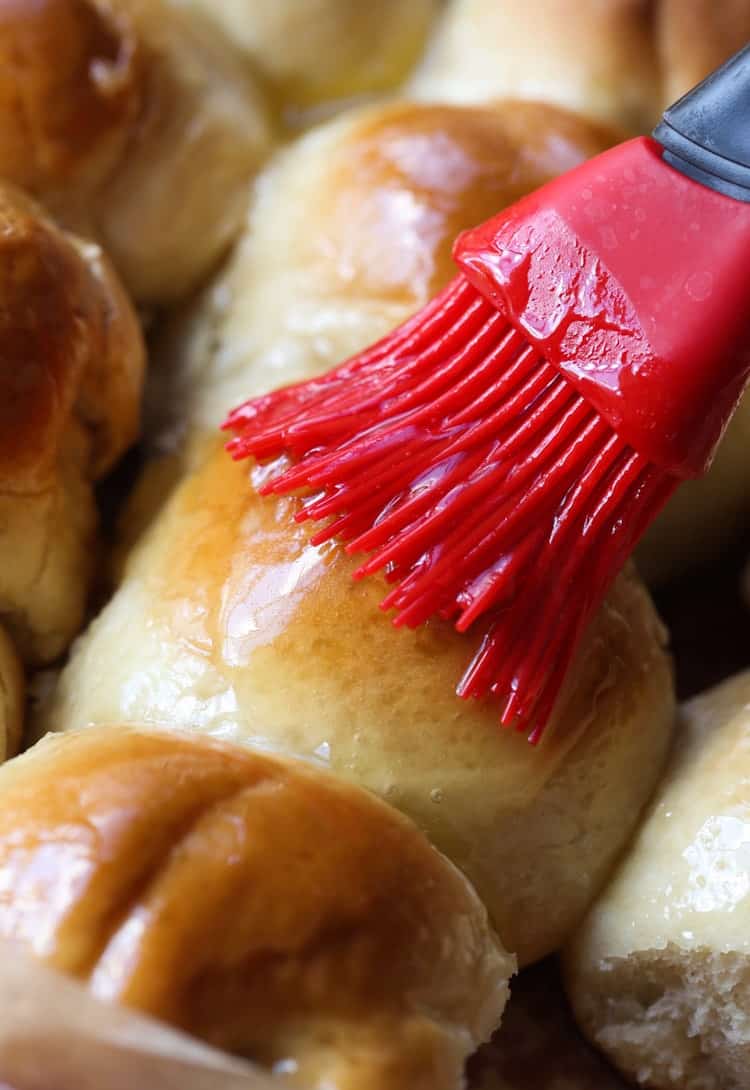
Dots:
pixel 477 478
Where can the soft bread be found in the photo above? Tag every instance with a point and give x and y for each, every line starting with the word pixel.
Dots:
pixel 620 61
pixel 659 973
pixel 350 233
pixel 71 367
pixel 133 126
pixel 256 903
pixel 252 634
pixel 324 49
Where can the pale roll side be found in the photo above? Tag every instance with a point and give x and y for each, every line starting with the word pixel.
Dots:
pixel 619 61
pixel 323 51
pixel 659 972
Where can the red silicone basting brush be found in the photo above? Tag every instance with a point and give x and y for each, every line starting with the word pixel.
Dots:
pixel 500 454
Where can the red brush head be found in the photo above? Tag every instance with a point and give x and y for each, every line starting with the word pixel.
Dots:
pixel 632 280
pixel 501 453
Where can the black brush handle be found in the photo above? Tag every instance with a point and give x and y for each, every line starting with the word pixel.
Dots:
pixel 706 134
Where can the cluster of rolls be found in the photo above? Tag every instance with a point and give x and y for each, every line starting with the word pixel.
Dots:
pixel 256 811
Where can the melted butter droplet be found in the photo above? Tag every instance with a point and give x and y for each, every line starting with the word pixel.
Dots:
pixel 323 752
pixel 700 285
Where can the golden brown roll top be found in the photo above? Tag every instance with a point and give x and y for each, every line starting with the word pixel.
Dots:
pixel 593 57
pixel 659 973
pixel 133 126
pixel 350 233
pixel 256 903
pixel 71 368
pixel 620 61
pixel 324 49
pixel 250 633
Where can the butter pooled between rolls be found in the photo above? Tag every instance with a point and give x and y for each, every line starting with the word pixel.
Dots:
pixel 254 902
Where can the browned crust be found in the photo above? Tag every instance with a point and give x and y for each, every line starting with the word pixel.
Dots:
pixel 253 901
pixel 70 348
pixel 71 84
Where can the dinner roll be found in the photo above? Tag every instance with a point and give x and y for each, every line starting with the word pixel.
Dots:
pixel 659 974
pixel 254 902
pixel 592 56
pixel 229 622
pixel 621 61
pixel 71 365
pixel 350 233
pixel 11 698
pixel 134 127
pixel 324 49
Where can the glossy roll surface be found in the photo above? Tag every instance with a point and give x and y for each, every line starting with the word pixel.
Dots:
pixel 254 902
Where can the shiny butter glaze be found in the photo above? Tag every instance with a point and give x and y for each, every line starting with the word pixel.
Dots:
pixel 72 82
pixel 229 622
pixel 249 901
pixel 411 177
pixel 686 881
pixel 350 232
